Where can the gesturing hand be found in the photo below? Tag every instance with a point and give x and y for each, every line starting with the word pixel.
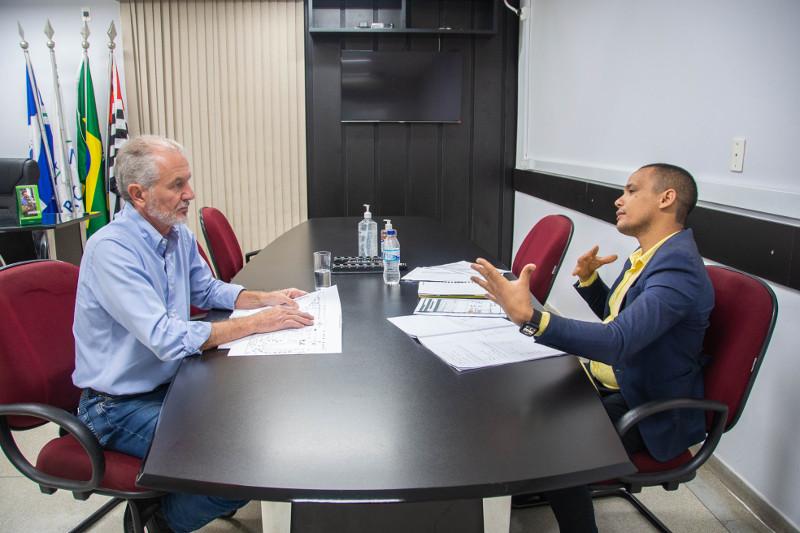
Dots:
pixel 513 296
pixel 589 262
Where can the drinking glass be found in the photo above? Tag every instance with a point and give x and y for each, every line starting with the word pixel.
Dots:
pixel 322 270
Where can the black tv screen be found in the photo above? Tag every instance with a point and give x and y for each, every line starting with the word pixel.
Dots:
pixel 401 86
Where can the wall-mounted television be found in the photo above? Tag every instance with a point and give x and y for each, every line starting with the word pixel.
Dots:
pixel 401 86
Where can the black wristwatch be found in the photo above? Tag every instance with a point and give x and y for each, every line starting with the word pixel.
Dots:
pixel 530 327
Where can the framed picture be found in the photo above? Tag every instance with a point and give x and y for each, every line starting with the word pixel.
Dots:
pixel 28 204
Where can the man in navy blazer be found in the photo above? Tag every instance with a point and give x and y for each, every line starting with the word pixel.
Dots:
pixel 654 319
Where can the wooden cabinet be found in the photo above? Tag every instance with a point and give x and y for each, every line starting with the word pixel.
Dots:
pixel 469 17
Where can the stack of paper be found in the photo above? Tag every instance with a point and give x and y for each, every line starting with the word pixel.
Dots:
pixel 451 289
pixel 459 271
pixel 456 321
pixel 467 343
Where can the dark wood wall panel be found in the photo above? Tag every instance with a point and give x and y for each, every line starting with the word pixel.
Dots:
pixel 794 267
pixel 488 157
pixel 457 174
pixel 359 165
pixel 765 248
pixel 456 194
pixel 324 148
pixel 455 202
pixel 392 170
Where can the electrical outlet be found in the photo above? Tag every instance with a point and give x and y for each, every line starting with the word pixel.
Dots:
pixel 737 154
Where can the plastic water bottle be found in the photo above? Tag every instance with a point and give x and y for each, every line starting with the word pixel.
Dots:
pixel 391 258
pixel 367 235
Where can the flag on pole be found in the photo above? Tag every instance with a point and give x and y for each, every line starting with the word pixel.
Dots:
pixel 90 151
pixel 41 147
pixel 117 134
pixel 68 187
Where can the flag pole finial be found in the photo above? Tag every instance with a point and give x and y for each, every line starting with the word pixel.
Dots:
pixel 23 43
pixel 85 34
pixel 112 34
pixel 49 32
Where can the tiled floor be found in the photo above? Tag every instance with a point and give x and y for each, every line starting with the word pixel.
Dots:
pixel 704 505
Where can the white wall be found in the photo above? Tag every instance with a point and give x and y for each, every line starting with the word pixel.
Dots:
pixel 762 449
pixel 606 87
pixel 65 17
pixel 617 84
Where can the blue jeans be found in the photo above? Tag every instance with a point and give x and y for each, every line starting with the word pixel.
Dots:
pixel 126 424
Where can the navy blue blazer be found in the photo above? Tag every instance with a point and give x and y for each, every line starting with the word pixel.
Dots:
pixel 654 344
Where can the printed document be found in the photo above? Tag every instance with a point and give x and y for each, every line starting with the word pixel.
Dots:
pixel 325 336
pixel 458 307
pixel 467 343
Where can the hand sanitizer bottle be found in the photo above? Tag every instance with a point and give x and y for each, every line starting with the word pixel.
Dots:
pixel 387 226
pixel 367 235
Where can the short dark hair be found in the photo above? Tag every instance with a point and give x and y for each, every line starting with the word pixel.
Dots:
pixel 666 176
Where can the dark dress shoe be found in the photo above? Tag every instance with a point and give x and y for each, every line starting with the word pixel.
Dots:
pixel 157 523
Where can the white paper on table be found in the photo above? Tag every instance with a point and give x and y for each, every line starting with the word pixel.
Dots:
pixel 325 336
pixel 460 267
pixel 430 274
pixel 467 343
pixel 460 271
pixel 459 307
pixel 451 289
pixel 426 325
pixel 478 349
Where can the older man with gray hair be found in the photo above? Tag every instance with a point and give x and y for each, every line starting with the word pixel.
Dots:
pixel 138 277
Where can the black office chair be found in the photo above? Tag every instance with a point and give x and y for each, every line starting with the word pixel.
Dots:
pixel 16 246
pixel 15 172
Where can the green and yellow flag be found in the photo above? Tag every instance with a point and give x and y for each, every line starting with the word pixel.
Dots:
pixel 90 152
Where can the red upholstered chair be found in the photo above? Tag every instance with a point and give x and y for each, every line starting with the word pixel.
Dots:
pixel 736 347
pixel 223 246
pixel 37 357
pixel 545 246
pixel 195 313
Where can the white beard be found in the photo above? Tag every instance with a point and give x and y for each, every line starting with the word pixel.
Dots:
pixel 168 218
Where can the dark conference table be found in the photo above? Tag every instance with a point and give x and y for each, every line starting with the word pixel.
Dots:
pixel 384 421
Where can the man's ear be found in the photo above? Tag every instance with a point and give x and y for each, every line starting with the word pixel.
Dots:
pixel 136 192
pixel 668 198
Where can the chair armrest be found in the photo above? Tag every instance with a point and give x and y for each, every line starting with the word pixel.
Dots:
pixel 250 255
pixel 65 421
pixel 713 436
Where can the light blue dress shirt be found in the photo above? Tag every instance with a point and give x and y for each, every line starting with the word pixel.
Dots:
pixel 132 324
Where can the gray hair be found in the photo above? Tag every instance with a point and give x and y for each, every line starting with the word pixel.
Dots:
pixel 136 162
